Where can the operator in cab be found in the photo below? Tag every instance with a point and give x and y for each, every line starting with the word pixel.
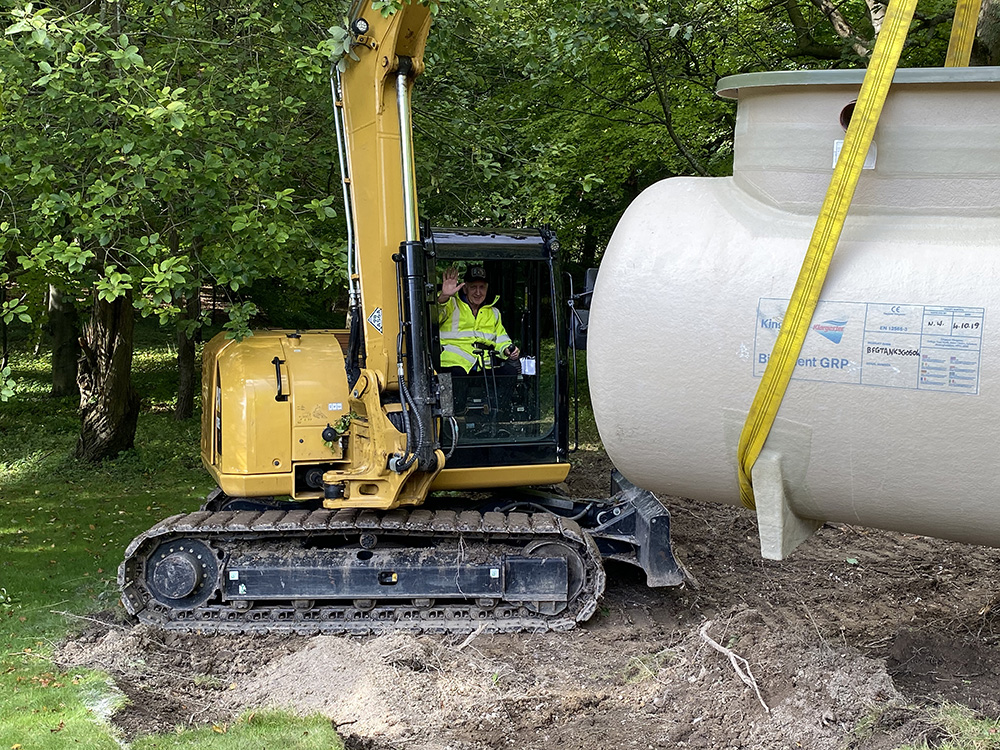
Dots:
pixel 471 328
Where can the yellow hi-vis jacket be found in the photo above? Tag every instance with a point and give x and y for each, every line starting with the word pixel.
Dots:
pixel 460 331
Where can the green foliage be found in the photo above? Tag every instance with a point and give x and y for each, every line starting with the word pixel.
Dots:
pixel 6 384
pixel 388 7
pixel 165 149
pixel 205 138
pixel 238 325
pixel 340 45
pixel 154 151
pixel 560 113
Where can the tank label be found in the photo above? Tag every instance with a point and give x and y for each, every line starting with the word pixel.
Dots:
pixel 919 347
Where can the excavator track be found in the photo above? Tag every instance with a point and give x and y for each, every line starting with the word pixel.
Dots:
pixel 358 571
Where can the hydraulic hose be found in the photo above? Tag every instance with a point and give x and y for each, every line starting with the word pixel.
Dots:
pixel 408 404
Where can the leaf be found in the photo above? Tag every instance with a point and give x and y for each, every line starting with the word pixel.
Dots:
pixel 852 561
pixel 17 28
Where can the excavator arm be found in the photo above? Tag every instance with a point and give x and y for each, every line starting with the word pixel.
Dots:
pixel 373 116
pixel 393 435
pixel 388 271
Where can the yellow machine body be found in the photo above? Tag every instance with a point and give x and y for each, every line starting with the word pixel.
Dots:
pixel 252 436
pixel 258 443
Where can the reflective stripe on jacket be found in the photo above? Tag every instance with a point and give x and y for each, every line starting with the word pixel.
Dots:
pixel 460 331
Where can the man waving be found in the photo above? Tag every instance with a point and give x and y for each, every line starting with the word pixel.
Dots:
pixel 466 320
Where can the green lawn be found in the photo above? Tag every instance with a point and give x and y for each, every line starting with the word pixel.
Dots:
pixel 63 528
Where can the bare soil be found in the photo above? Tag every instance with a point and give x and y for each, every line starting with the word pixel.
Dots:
pixel 846 641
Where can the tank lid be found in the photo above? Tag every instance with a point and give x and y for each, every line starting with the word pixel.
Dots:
pixel 730 86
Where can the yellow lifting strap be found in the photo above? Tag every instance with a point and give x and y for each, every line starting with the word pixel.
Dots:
pixel 963 33
pixel 805 297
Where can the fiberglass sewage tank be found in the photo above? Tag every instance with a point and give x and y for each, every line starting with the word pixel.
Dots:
pixel 892 416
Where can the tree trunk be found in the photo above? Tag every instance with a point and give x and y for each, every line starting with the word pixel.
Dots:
pixel 187 380
pixel 986 50
pixel 64 327
pixel 589 250
pixel 4 340
pixel 109 401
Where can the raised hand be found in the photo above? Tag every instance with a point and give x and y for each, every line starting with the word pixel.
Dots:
pixel 449 285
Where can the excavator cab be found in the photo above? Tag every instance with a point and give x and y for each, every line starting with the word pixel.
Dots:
pixel 515 415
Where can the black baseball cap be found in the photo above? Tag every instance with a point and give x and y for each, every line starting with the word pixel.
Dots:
pixel 475 273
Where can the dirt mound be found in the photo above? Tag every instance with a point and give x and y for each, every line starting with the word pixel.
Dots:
pixel 572 691
pixel 622 681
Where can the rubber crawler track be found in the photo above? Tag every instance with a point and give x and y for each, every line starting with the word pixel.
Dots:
pixel 231 527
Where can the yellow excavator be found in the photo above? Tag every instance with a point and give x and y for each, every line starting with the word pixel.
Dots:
pixel 361 490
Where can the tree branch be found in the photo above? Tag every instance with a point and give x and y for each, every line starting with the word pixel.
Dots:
pixel 842 27
pixel 668 119
pixel 876 12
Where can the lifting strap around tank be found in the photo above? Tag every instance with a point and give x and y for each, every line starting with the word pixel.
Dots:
pixel 809 284
pixel 963 34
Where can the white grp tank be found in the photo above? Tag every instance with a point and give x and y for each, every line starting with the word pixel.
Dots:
pixel 892 418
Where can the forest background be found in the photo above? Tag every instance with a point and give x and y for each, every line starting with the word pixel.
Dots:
pixel 153 149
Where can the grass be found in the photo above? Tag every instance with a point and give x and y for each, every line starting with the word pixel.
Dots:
pixel 64 525
pixel 586 426
pixel 959 728
pixel 252 731
pixel 946 726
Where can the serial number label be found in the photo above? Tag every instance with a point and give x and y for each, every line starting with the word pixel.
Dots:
pixel 920 347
